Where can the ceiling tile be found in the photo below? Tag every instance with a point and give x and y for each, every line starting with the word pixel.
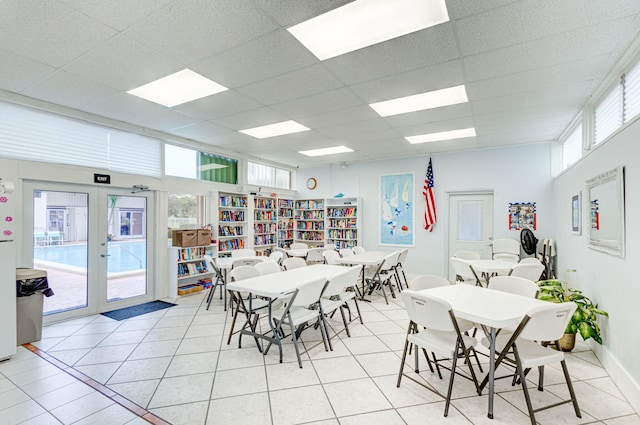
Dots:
pixel 436 77
pixel 250 119
pixel 303 82
pixel 18 72
pixel 289 12
pixel 192 30
pixel 124 64
pixel 49 32
pixel 436 127
pixel 354 128
pixel 117 14
pixel 444 113
pixel 566 47
pixel 339 117
pixel 221 104
pixel 416 50
pixel 70 90
pixel 206 131
pixel 277 52
pixel 461 8
pixel 123 106
pixel 162 120
pixel 528 20
pixel 319 103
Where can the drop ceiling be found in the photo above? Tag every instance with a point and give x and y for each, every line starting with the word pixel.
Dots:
pixel 528 66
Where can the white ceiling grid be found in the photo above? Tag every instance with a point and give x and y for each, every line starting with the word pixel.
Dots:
pixel 528 66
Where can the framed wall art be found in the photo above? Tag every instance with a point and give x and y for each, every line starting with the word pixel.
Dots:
pixel 397 212
pixel 576 214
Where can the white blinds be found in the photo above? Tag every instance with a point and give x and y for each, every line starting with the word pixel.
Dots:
pixel 632 94
pixel 608 114
pixel 265 175
pixel 572 147
pixel 38 136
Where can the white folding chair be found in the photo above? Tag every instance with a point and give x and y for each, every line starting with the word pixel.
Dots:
pixel 246 261
pixel 427 282
pixel 339 290
pixel 268 267
pixel 467 255
pixel 299 245
pixel 506 249
pixel 433 327
pixel 217 280
pixel 400 268
pixel 379 276
pixel 464 272
pixel 237 253
pixel 345 252
pixel 303 307
pixel 276 256
pixel 514 285
pixel 241 273
pixel 330 247
pixel 544 323
pixel 358 250
pixel 332 258
pixel 528 271
pixel 314 256
pixel 294 263
pixel 530 260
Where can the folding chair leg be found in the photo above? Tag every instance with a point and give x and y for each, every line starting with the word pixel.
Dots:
pixel 527 398
pixel 453 374
pixel 540 378
pixel 437 365
pixel 233 324
pixel 295 341
pixel 404 357
pixel 567 378
pixel 358 310
pixel 344 320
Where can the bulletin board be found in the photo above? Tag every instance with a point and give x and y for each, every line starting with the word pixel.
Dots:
pixel 522 215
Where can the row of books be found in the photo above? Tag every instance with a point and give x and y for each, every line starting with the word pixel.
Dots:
pixel 264 215
pixel 231 244
pixel 264 240
pixel 310 236
pixel 309 205
pixel 343 223
pixel 341 212
pixel 285 203
pixel 232 201
pixel 343 244
pixel 186 254
pixel 285 225
pixel 265 203
pixel 199 286
pixel 311 215
pixel 230 231
pixel 342 234
pixel 231 216
pixel 310 225
pixel 192 269
pixel 285 234
pixel 264 228
pixel 285 213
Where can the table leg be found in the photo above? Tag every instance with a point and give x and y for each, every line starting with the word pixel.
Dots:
pixel 492 367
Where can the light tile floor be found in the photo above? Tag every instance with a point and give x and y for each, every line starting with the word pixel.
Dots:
pixel 175 363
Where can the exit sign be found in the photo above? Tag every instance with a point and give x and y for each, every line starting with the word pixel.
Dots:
pixel 102 178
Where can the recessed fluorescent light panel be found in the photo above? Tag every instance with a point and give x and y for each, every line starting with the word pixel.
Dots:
pixel 422 101
pixel 277 129
pixel 326 151
pixel 176 89
pixel 364 23
pixel 443 135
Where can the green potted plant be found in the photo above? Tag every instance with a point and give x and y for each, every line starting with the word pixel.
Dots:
pixel 584 318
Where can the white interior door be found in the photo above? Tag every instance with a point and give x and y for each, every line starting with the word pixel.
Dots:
pixel 470 224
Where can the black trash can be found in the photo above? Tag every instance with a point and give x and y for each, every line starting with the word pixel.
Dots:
pixel 31 286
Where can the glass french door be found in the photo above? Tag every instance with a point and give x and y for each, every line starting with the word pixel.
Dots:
pixel 94 244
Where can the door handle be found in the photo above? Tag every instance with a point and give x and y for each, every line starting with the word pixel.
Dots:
pixel 105 255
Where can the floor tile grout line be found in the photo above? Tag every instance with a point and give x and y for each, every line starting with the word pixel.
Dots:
pixel 97 386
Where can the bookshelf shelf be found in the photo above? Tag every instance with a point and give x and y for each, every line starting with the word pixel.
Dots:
pixel 232 221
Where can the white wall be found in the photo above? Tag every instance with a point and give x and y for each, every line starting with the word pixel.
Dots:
pixel 610 281
pixel 517 174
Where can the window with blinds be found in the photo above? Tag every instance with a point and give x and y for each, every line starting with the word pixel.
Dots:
pixel 266 175
pixel 608 115
pixel 572 147
pixel 632 94
pixel 38 136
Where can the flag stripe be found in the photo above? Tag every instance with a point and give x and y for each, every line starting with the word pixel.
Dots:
pixel 430 201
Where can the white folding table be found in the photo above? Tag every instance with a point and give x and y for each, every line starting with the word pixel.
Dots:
pixel 492 309
pixel 225 264
pixel 369 258
pixel 489 268
pixel 298 252
pixel 276 285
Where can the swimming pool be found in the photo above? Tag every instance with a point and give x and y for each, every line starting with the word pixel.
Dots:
pixel 123 256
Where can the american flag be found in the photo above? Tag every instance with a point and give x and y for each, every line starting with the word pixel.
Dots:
pixel 430 208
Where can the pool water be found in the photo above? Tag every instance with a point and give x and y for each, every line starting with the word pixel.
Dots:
pixel 123 256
